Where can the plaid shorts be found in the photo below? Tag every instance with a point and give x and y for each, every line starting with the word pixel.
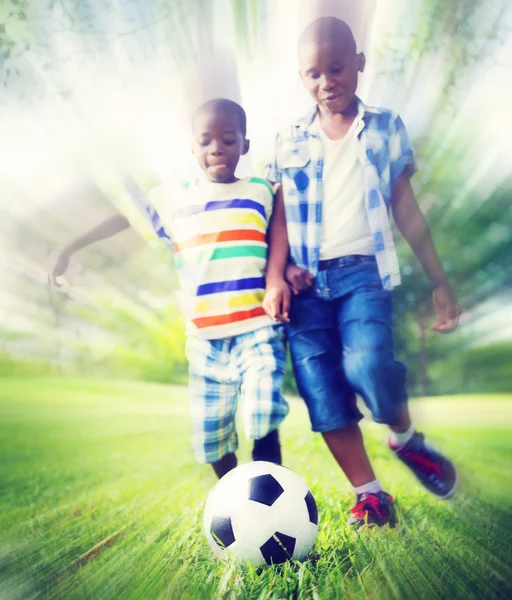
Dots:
pixel 250 365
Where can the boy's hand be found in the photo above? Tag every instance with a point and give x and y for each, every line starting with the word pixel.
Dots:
pixel 447 309
pixel 299 279
pixel 277 302
pixel 60 267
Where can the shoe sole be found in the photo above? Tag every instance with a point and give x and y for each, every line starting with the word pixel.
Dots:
pixel 358 526
pixel 454 489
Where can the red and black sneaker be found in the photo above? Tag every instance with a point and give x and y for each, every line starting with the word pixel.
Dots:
pixel 373 509
pixel 432 468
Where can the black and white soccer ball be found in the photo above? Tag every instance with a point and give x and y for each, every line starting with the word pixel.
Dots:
pixel 261 513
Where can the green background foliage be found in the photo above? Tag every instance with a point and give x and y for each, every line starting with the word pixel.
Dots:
pixel 118 317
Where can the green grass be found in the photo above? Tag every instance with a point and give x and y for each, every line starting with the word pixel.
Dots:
pixel 79 460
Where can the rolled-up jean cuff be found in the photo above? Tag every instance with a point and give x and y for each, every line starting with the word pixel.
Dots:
pixel 339 425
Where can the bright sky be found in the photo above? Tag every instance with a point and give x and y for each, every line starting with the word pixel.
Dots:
pixel 121 118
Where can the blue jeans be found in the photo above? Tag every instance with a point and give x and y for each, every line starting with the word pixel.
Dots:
pixel 341 342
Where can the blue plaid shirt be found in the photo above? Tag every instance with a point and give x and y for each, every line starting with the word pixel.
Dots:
pixel 385 152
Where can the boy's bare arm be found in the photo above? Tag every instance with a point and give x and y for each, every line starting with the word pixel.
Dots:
pixel 277 294
pixel 413 226
pixel 104 230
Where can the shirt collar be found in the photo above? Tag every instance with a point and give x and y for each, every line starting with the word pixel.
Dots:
pixel 306 121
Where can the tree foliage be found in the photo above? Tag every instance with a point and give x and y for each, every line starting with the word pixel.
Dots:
pixel 125 331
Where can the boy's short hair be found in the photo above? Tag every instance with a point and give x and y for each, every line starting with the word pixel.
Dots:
pixel 327 28
pixel 228 106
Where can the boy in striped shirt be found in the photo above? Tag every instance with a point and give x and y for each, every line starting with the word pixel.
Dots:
pixel 230 254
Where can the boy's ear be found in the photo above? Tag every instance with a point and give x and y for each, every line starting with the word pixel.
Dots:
pixel 361 61
pixel 247 145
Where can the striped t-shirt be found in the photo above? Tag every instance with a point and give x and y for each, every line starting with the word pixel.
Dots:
pixel 218 234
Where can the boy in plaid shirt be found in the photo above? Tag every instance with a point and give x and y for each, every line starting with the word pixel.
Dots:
pixel 230 255
pixel 342 168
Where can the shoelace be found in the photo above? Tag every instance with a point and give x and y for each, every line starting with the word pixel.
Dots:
pixel 423 461
pixel 362 507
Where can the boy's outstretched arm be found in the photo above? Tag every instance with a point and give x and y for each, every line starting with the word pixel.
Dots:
pixel 104 230
pixel 277 294
pixel 413 226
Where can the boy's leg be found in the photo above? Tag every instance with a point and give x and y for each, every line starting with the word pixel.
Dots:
pixel 316 357
pixel 347 446
pixel 268 448
pixel 432 468
pixel 227 463
pixel 213 392
pixel 402 423
pixel 365 322
pixel 261 361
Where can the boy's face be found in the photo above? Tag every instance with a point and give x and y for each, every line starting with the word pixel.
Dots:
pixel 328 69
pixel 218 143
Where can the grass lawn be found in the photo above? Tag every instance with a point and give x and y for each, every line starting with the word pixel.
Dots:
pixel 81 461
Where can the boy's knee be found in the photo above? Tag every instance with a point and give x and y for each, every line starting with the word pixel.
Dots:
pixel 380 380
pixel 362 367
pixel 265 416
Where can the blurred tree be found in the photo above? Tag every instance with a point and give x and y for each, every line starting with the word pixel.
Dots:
pixel 471 224
pixel 474 240
pixel 471 227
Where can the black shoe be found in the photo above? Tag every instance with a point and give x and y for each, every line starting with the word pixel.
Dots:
pixel 432 468
pixel 373 509
pixel 268 448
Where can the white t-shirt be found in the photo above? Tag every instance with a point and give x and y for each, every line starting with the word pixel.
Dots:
pixel 345 226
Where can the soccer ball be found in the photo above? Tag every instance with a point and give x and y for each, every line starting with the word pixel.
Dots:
pixel 261 512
